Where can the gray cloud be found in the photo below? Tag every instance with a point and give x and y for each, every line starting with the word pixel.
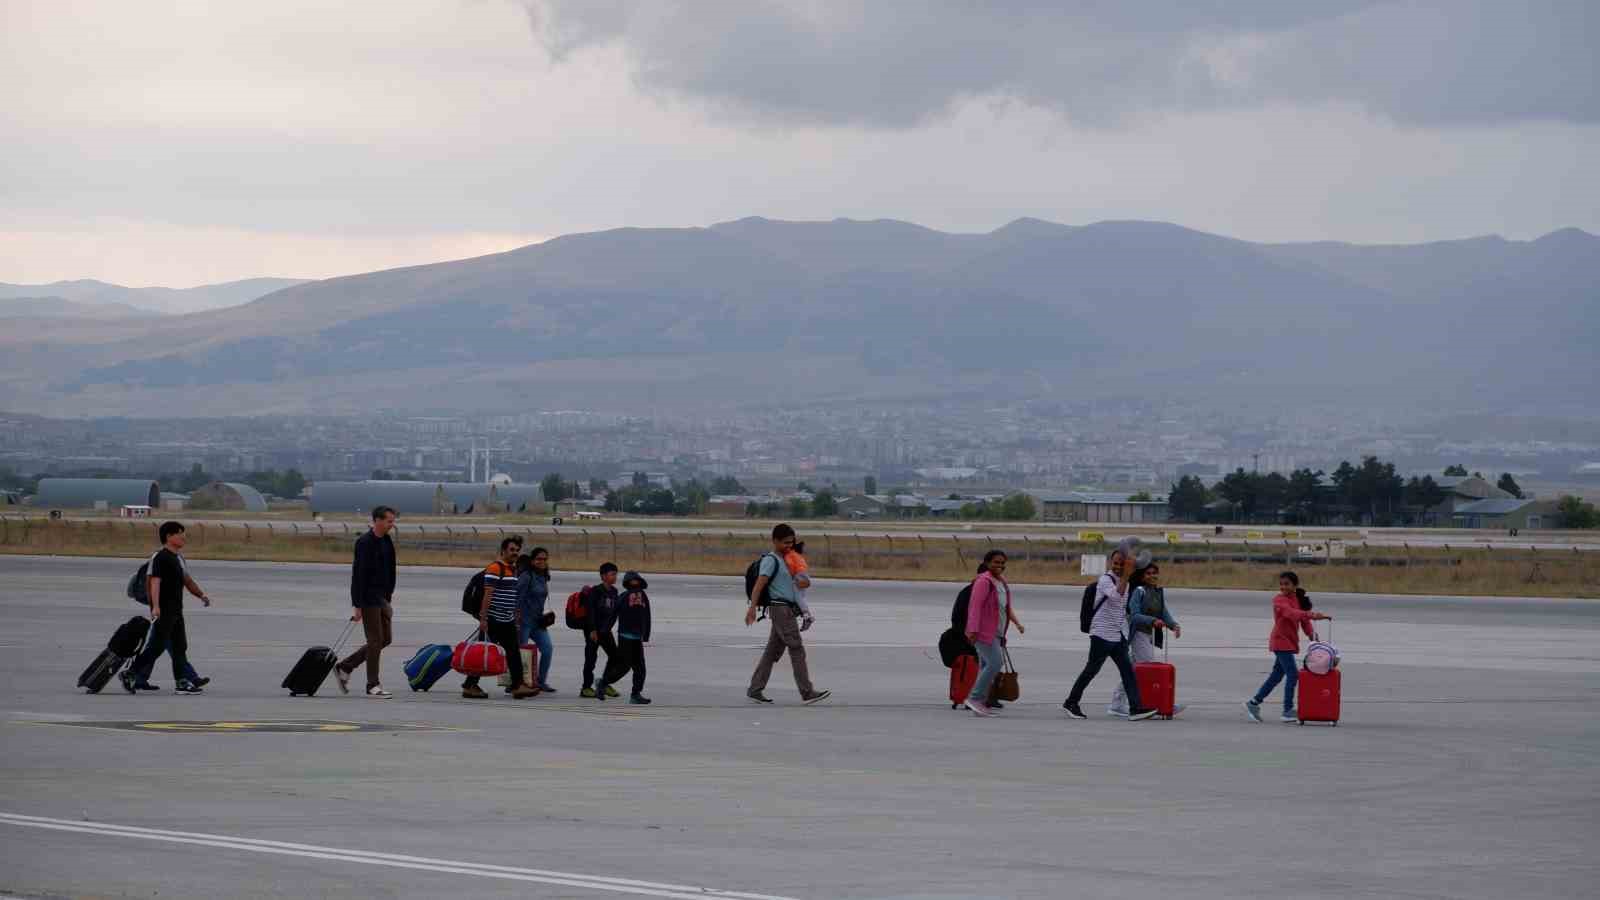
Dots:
pixel 894 64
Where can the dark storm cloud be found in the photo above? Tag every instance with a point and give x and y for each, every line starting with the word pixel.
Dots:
pixel 893 64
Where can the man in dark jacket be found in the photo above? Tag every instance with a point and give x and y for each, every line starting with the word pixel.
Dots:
pixel 602 606
pixel 633 632
pixel 371 594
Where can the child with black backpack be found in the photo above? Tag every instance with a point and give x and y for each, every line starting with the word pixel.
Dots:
pixel 633 632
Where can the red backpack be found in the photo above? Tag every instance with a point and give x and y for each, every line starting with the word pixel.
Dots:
pixel 578 609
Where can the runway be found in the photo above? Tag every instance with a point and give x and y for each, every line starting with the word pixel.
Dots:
pixel 1464 766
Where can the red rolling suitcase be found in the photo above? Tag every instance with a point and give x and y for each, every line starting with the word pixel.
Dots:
pixel 1158 682
pixel 1318 695
pixel 962 676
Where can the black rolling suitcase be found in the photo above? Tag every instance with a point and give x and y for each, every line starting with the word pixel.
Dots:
pixel 312 670
pixel 125 644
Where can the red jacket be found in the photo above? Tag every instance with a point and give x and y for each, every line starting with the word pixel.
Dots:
pixel 1288 619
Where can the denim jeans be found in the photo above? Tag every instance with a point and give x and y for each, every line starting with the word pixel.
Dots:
pixel 539 637
pixel 1101 650
pixel 991 660
pixel 1285 670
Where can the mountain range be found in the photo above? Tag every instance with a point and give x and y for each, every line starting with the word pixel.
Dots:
pixel 87 297
pixel 845 312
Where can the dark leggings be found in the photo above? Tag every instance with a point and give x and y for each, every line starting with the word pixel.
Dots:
pixel 629 655
pixel 504 634
pixel 1100 650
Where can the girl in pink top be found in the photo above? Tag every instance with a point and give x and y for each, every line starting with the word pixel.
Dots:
pixel 1291 614
pixel 988 613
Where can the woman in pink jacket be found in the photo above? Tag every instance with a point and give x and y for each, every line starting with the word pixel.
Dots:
pixel 1291 613
pixel 988 613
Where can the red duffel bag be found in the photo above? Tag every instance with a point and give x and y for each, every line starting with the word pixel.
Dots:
pixel 475 656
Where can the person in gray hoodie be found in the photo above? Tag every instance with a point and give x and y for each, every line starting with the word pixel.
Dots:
pixel 633 632
pixel 1151 622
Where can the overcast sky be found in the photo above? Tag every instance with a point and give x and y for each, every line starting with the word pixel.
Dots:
pixel 164 142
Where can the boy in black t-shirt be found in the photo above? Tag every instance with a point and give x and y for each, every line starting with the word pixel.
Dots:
pixel 168 579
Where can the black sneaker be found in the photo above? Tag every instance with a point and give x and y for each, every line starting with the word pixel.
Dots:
pixel 757 696
pixel 600 692
pixel 187 687
pixel 127 682
pixel 817 697
pixel 1073 710
pixel 147 686
pixel 200 682
pixel 639 700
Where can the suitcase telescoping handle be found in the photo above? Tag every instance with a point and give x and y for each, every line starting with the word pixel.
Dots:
pixel 344 635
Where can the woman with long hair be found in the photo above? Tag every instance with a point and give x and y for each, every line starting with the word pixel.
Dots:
pixel 988 614
pixel 1291 614
pixel 533 593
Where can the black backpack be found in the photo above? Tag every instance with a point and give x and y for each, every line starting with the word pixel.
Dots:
pixel 958 613
pixel 1089 608
pixel 752 574
pixel 139 585
pixel 472 596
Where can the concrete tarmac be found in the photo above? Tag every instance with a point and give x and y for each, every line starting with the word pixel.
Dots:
pixel 1464 767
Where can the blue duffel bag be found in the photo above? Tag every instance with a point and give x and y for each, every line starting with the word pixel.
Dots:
pixel 429 665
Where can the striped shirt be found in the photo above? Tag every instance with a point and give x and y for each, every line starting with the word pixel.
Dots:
pixel 500 580
pixel 1111 620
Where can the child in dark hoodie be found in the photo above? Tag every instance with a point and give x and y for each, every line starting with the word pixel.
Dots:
pixel 633 632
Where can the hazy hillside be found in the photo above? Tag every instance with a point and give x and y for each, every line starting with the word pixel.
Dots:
pixel 26 307
pixel 863 312
pixel 152 299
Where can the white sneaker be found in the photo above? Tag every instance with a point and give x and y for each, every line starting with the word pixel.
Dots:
pixel 1177 709
pixel 344 679
pixel 1119 713
pixel 1253 710
pixel 979 709
pixel 378 691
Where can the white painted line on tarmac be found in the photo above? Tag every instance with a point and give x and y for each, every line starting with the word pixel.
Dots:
pixel 392 860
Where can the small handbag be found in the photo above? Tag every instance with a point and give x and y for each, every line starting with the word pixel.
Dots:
pixel 1006 687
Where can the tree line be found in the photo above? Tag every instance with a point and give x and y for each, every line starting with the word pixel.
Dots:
pixel 1371 492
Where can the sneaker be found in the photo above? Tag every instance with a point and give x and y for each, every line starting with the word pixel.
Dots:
pixel 147 686
pixel 546 689
pixel 1288 718
pixel 979 709
pixel 1253 710
pixel 378 691
pixel 344 680
pixel 127 682
pixel 473 692
pixel 611 691
pixel 816 697
pixel 1139 715
pixel 639 699
pixel 1119 713
pixel 200 681
pixel 587 693
pixel 1177 709
pixel 1073 710
pixel 996 705
pixel 186 687
pixel 523 692
pixel 757 696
